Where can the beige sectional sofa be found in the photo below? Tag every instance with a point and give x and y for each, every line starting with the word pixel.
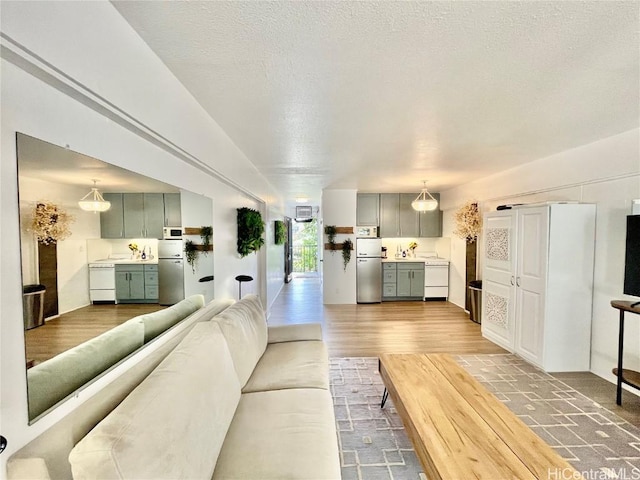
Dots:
pixel 234 400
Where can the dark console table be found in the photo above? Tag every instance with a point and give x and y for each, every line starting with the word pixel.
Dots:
pixel 630 377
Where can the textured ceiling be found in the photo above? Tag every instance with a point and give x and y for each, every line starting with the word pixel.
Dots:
pixel 380 95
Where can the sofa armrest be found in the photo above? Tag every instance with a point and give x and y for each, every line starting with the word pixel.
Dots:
pixel 294 333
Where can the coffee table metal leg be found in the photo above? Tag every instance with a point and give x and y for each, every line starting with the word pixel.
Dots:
pixel 385 395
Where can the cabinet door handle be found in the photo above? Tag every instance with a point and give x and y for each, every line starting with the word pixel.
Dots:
pixel 518 281
pixel 512 281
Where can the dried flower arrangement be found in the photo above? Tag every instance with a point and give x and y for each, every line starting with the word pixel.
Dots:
pixel 468 222
pixel 50 223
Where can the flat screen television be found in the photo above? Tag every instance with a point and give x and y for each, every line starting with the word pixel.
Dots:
pixel 632 257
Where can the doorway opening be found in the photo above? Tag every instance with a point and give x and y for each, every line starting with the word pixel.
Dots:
pixel 305 248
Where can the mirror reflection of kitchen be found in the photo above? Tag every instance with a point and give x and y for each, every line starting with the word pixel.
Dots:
pixel 86 271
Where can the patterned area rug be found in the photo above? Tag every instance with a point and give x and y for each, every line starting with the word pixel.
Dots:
pixel 374 446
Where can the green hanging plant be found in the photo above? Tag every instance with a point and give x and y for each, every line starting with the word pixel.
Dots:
pixel 250 230
pixel 280 229
pixel 347 246
pixel 331 231
pixel 205 234
pixel 191 254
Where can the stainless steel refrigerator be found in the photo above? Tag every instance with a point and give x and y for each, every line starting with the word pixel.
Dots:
pixel 170 272
pixel 368 270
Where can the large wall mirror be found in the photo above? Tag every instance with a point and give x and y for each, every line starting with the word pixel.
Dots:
pixel 85 273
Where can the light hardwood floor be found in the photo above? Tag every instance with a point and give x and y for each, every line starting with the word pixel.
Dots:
pixel 73 328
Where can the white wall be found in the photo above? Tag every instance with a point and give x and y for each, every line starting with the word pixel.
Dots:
pixel 73 274
pixel 275 257
pixel 100 91
pixel 606 173
pixel 338 284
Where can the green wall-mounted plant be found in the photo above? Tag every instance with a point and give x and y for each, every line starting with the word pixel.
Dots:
pixel 191 254
pixel 250 230
pixel 280 229
pixel 331 231
pixel 206 233
pixel 347 246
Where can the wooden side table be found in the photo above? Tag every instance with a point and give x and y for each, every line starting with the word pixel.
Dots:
pixel 630 377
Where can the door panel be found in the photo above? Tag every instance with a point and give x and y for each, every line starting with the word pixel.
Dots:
pixel 133 215
pixel 498 313
pixel 499 237
pixel 529 321
pixel 417 282
pixel 404 283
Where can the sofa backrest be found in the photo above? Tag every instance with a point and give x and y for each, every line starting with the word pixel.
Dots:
pixel 244 326
pixel 158 322
pixel 94 404
pixel 54 379
pixel 173 425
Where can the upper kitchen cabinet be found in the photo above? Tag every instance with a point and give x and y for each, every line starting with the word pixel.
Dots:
pixel 112 221
pixel 409 219
pixel 399 219
pixel 143 215
pixel 389 215
pixel 172 212
pixel 133 215
pixel 368 209
pixel 431 222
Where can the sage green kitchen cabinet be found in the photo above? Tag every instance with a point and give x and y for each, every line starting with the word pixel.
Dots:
pixel 431 222
pixel 410 280
pixel 112 221
pixel 389 281
pixel 136 283
pixel 137 215
pixel 408 217
pixel 172 212
pixel 389 215
pixel 143 215
pixel 129 283
pixel 151 282
pixel 368 209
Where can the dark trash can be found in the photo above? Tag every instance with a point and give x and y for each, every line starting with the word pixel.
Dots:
pixel 33 305
pixel 475 289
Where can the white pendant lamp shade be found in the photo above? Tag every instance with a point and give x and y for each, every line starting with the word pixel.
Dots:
pixel 425 201
pixel 93 201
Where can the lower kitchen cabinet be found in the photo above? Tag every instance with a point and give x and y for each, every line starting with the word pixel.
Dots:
pixel 136 283
pixel 411 280
pixel 389 282
pixel 402 281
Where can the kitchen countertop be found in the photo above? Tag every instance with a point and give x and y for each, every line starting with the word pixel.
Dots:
pixel 124 261
pixel 411 259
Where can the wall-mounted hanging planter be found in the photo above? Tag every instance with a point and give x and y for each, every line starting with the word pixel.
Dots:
pixel 191 249
pixel 280 229
pixel 250 230
pixel 347 246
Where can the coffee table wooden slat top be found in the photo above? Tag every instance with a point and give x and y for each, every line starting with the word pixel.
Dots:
pixel 458 428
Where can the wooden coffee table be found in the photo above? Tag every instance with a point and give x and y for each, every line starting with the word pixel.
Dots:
pixel 459 429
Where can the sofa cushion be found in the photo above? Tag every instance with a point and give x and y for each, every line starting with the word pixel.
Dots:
pixel 295 332
pixel 158 322
pixel 244 326
pixel 291 365
pixel 54 379
pixel 174 423
pixel 281 434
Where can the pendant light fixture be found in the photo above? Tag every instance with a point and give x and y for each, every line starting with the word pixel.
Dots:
pixel 425 201
pixel 93 201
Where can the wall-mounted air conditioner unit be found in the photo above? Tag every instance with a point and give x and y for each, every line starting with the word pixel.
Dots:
pixel 304 213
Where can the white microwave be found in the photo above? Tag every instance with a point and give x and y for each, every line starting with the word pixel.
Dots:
pixel 172 233
pixel 367 232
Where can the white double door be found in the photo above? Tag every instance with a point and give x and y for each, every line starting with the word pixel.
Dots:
pixel 514 280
